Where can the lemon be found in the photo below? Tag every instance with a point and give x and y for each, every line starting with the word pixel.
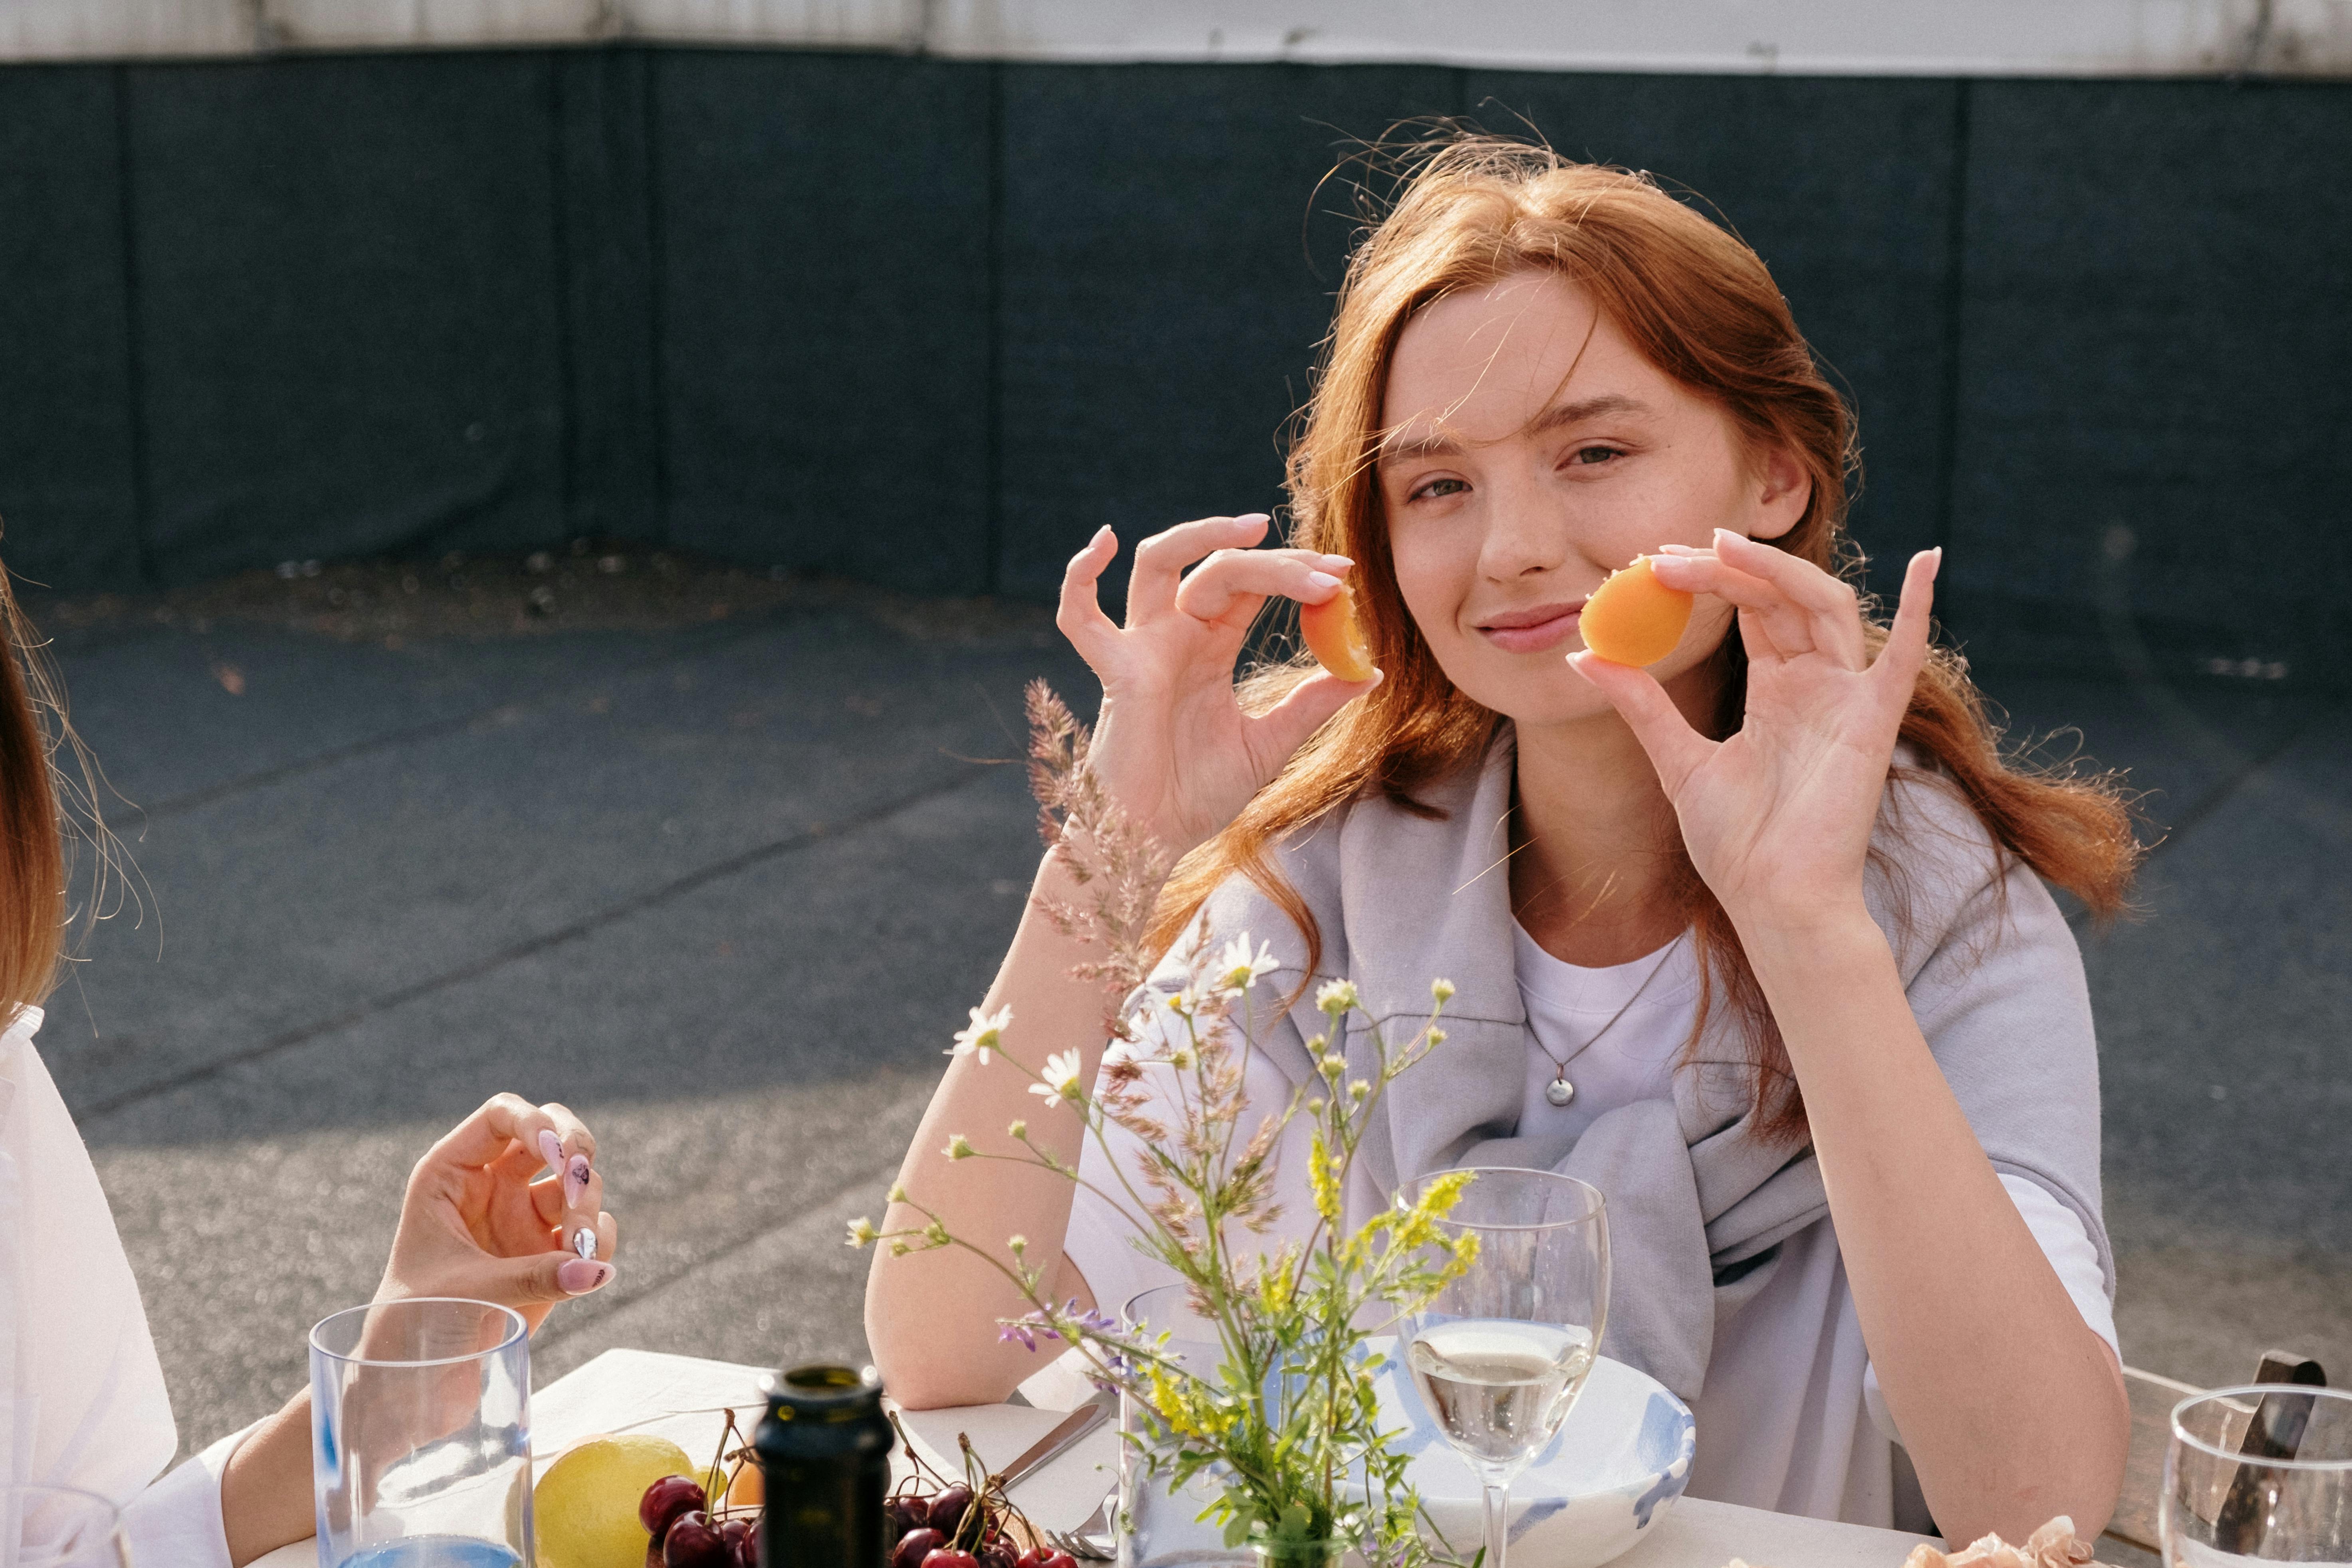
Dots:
pixel 585 1508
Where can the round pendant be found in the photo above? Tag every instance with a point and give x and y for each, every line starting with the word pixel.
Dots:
pixel 1560 1092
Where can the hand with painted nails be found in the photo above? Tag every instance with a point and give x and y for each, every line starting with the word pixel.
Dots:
pixel 507 1209
pixel 1778 817
pixel 1172 746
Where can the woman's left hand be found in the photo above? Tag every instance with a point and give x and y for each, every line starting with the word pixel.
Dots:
pixel 474 1224
pixel 1778 818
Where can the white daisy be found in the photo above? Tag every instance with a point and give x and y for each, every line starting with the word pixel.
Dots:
pixel 1059 1080
pixel 982 1037
pixel 1236 970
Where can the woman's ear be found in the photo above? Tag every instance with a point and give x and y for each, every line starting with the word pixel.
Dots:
pixel 1783 491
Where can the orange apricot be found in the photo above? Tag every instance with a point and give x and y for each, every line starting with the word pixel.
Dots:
pixel 1633 618
pixel 1335 636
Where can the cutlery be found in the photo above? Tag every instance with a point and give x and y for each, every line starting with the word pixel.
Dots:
pixel 1091 1540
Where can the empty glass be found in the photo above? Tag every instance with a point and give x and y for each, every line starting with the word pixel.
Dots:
pixel 2260 1473
pixel 420 1436
pixel 1164 1527
pixel 1502 1353
pixel 59 1527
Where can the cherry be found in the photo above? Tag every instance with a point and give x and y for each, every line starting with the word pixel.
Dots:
pixel 666 1499
pixel 1060 1560
pixel 949 1557
pixel 947 1507
pixel 743 1543
pixel 997 1554
pixel 915 1546
pixel 693 1542
pixel 908 1511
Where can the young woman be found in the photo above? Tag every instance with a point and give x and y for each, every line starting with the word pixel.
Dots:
pixel 1752 939
pixel 76 1364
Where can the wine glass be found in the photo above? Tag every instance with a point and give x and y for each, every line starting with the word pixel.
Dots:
pixel 59 1527
pixel 2260 1472
pixel 1502 1353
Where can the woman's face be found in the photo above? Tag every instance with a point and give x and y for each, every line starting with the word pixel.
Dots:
pixel 1530 451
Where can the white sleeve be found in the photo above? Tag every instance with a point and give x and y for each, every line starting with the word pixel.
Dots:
pixel 1100 1240
pixel 2068 1248
pixel 178 1519
pixel 2059 1231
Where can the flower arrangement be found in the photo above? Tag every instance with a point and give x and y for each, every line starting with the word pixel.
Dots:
pixel 1286 1427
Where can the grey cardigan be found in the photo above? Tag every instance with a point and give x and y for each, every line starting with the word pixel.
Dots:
pixel 1697 1208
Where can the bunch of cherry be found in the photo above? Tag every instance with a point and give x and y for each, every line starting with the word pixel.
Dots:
pixel 938 1523
pixel 692 1528
pixel 686 1535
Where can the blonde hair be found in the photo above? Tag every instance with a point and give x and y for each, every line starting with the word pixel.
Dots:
pixel 1699 305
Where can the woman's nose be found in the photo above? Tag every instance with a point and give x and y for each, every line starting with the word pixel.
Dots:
pixel 1525 532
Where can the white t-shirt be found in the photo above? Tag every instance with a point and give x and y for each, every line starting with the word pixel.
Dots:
pixel 83 1404
pixel 1791 1417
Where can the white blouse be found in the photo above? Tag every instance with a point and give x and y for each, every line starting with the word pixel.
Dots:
pixel 1791 1418
pixel 84 1403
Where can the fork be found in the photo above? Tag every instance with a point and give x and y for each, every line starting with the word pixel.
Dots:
pixel 1091 1540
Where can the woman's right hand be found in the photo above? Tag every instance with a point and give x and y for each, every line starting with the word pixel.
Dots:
pixel 1173 746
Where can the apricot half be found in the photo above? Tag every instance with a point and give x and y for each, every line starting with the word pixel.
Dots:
pixel 1633 618
pixel 1335 636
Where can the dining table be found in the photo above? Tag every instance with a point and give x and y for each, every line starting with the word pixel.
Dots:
pixel 686 1399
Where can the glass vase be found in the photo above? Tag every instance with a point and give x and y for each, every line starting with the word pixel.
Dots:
pixel 1160 1527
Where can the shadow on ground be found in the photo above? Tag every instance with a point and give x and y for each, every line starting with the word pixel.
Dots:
pixel 722 859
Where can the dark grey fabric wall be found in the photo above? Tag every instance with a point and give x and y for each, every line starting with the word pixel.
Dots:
pixel 930 323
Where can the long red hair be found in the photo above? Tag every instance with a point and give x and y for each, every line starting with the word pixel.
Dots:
pixel 1698 303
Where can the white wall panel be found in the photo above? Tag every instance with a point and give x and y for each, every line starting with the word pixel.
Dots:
pixel 1975 37
pixel 385 23
pixel 810 24
pixel 69 29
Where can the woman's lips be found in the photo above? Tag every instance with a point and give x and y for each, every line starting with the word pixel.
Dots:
pixel 1533 631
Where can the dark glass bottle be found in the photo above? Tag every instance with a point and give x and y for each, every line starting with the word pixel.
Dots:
pixel 824 1454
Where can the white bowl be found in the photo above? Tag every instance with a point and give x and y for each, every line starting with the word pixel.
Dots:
pixel 1622 1458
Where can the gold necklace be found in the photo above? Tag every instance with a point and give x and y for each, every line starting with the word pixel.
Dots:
pixel 1560 1092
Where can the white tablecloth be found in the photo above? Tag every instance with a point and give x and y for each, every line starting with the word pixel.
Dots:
pixel 680 1398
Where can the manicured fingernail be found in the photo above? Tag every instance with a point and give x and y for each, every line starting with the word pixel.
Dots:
pixel 1682 550
pixel 1254 517
pixel 1340 563
pixel 1318 581
pixel 583 1242
pixel 551 1149
pixel 576 1180
pixel 578 1277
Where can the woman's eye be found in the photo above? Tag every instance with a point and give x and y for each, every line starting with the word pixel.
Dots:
pixel 1435 487
pixel 1591 455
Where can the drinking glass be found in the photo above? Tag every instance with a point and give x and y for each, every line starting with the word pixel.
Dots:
pixel 59 1527
pixel 1502 1353
pixel 420 1436
pixel 1164 1527
pixel 2263 1473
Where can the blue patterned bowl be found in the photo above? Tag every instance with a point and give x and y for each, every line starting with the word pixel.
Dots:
pixel 1622 1458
